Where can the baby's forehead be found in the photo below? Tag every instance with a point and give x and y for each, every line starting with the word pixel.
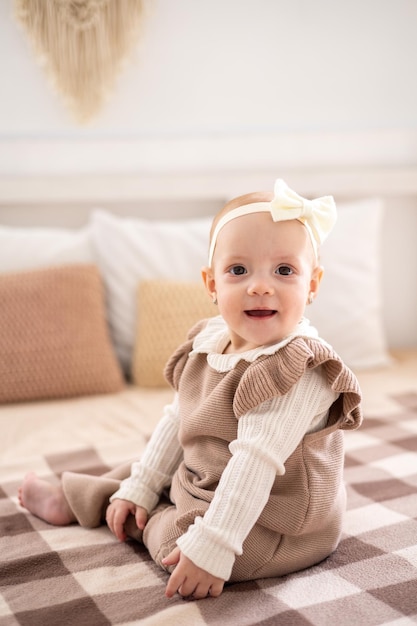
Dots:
pixel 263 220
pixel 285 237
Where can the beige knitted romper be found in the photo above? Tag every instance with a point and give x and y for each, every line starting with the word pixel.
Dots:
pixel 301 523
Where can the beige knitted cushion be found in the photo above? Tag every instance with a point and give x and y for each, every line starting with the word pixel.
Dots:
pixel 166 312
pixel 54 340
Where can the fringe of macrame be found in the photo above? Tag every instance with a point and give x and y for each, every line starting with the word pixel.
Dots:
pixel 82 44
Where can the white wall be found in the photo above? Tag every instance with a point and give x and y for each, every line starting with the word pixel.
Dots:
pixel 235 67
pixel 228 84
pixel 239 86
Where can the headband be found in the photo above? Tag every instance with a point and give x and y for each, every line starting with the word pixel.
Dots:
pixel 318 216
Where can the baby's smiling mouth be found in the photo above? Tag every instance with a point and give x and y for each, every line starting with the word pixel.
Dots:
pixel 260 313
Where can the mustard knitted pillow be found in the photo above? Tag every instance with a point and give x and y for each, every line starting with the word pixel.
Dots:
pixel 166 312
pixel 54 340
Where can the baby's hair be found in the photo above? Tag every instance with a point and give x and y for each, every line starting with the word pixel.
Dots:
pixel 248 198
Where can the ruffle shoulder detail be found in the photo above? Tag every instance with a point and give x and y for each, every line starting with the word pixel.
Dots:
pixel 178 359
pixel 275 375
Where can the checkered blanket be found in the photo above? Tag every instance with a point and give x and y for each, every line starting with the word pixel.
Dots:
pixel 53 576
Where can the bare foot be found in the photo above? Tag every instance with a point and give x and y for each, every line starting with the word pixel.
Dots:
pixel 45 500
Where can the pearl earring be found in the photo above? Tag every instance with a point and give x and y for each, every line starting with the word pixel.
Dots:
pixel 310 298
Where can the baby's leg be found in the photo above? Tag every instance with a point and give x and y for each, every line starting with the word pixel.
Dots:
pixel 162 531
pixel 88 496
pixel 79 498
pixel 45 500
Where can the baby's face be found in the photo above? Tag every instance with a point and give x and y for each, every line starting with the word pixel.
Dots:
pixel 263 272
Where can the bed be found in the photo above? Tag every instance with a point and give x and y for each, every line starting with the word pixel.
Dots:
pixel 91 421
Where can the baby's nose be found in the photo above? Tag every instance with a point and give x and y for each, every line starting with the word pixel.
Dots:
pixel 261 285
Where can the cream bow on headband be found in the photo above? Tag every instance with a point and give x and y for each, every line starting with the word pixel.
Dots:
pixel 318 216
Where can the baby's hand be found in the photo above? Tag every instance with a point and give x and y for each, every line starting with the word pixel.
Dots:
pixel 117 513
pixel 189 579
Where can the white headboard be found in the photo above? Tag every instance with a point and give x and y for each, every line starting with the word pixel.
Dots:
pixel 67 199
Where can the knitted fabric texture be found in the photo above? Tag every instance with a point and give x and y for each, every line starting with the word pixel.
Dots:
pixel 299 520
pixel 166 311
pixel 302 520
pixel 54 340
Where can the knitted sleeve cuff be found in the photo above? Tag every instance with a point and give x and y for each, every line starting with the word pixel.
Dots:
pixel 138 494
pixel 207 551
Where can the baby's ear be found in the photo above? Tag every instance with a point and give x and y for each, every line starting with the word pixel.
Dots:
pixel 208 280
pixel 316 277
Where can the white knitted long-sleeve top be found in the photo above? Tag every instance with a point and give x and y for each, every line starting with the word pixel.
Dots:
pixel 265 437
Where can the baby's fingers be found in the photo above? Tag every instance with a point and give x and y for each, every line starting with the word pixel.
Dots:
pixel 173 557
pixel 141 517
pixel 116 517
pixel 110 519
pixel 116 524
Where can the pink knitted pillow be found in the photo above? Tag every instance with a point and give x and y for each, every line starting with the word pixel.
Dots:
pixel 54 340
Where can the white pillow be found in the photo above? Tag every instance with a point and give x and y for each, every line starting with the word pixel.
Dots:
pixel 347 312
pixel 348 309
pixel 32 248
pixel 129 250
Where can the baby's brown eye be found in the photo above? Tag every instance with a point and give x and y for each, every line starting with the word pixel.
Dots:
pixel 237 270
pixel 284 270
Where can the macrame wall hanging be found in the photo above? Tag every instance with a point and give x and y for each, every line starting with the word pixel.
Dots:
pixel 82 44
